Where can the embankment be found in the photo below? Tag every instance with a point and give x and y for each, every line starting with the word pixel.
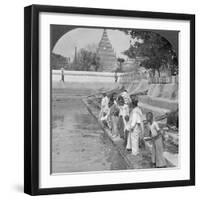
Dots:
pixel 158 98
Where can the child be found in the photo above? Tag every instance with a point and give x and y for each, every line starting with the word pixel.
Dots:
pixel 104 105
pixel 157 143
pixel 105 118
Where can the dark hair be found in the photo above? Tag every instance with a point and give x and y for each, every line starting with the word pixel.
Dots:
pixel 149 113
pixel 112 98
pixel 111 102
pixel 134 100
pixel 135 103
pixel 120 98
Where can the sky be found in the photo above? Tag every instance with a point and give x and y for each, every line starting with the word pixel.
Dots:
pixel 82 37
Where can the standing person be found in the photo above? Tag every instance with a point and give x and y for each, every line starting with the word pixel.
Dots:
pixel 116 77
pixel 114 117
pixel 125 95
pixel 104 104
pixel 105 117
pixel 62 74
pixel 123 112
pixel 120 102
pixel 157 142
pixel 135 127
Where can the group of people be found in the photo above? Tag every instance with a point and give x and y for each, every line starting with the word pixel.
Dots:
pixel 122 115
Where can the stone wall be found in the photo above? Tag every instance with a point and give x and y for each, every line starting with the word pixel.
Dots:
pixel 84 76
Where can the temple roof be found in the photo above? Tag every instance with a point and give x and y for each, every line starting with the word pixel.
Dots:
pixel 106 53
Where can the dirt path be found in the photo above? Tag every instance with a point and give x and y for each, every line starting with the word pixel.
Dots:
pixel 78 144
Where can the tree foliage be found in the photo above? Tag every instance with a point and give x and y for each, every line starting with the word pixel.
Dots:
pixel 155 50
pixel 86 61
pixel 58 61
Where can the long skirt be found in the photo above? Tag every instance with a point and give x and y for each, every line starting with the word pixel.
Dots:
pixel 133 140
pixel 114 125
pixel 121 127
pixel 157 152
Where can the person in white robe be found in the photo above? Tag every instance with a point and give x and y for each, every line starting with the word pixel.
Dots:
pixel 123 112
pixel 104 105
pixel 135 127
pixel 126 97
pixel 105 120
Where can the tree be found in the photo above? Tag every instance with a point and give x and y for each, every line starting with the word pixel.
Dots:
pixel 155 50
pixel 58 61
pixel 86 61
pixel 96 62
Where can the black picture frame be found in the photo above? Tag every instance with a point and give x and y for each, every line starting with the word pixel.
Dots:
pixel 31 98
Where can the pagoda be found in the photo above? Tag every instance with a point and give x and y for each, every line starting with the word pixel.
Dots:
pixel 106 54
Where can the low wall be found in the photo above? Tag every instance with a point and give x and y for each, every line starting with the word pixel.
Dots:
pixel 166 91
pixel 164 80
pixel 84 76
pixel 129 77
pixel 138 86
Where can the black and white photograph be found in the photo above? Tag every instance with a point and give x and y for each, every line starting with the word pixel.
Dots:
pixel 114 99
pixel 98 100
pixel 109 100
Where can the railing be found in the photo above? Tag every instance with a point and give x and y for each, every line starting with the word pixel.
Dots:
pixel 163 80
pixel 129 77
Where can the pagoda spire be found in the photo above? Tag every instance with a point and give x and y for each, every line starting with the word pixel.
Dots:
pixel 106 54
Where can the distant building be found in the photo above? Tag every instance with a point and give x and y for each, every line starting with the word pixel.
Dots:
pixel 106 54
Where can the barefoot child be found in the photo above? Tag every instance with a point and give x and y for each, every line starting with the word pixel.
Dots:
pixel 105 118
pixel 157 143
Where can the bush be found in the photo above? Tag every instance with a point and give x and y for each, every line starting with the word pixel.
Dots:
pixel 172 118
